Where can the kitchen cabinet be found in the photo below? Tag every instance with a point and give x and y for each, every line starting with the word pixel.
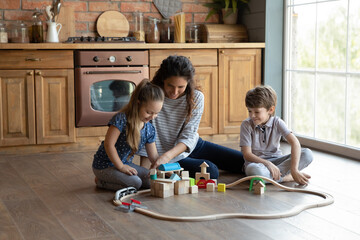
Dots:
pixel 239 71
pixel 206 77
pixel 224 76
pixel 37 97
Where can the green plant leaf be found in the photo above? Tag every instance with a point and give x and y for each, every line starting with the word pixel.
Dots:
pixel 234 5
pixel 211 12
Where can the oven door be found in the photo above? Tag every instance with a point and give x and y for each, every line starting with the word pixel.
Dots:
pixel 102 92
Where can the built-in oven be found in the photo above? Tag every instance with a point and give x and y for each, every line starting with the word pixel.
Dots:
pixel 104 81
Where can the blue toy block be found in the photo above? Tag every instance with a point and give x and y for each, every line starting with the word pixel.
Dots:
pixel 175 177
pixel 170 167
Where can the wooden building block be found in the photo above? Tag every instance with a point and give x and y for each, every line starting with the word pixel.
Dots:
pixel 163 190
pixel 199 176
pixel 194 189
pixel 167 193
pixel 192 182
pixel 184 174
pixel 210 187
pixel 152 171
pixel 181 187
pixel 259 188
pixel 221 187
pixel 175 177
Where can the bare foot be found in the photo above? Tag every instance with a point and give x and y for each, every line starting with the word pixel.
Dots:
pixel 288 178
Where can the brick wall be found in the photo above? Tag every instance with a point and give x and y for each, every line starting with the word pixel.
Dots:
pixel 87 11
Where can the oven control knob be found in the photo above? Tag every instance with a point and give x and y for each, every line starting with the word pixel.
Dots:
pixel 96 59
pixel 129 58
pixel 112 59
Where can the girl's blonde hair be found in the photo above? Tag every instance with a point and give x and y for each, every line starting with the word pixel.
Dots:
pixel 143 93
pixel 261 96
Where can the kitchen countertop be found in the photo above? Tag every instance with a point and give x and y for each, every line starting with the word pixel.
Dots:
pixel 74 46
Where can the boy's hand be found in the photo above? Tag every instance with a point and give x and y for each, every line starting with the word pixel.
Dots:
pixel 300 178
pixel 274 170
pixel 128 170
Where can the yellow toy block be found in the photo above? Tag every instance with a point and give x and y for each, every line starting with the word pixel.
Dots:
pixel 221 187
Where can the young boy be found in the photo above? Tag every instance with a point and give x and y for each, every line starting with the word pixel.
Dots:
pixel 260 141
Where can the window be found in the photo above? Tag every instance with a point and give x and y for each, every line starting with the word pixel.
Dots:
pixel 322 70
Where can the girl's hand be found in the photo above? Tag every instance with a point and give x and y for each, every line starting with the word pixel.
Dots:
pixel 274 170
pixel 128 170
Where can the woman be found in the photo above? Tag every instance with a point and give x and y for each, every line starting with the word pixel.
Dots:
pixel 178 121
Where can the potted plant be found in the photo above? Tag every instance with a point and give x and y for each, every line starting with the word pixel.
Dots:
pixel 227 8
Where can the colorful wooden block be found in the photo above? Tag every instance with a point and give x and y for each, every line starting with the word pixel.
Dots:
pixel 192 182
pixel 175 177
pixel 194 189
pixel 221 187
pixel 210 187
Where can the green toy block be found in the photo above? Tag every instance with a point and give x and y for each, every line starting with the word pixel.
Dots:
pixel 192 182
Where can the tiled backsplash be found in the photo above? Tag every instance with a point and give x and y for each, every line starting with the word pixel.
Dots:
pixel 87 11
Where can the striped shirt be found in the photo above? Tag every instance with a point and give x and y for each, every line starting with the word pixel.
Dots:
pixel 171 128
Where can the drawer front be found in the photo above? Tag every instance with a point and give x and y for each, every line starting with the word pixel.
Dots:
pixel 24 59
pixel 202 57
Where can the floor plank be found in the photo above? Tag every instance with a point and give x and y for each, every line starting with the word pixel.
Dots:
pixel 79 220
pixel 8 229
pixel 35 221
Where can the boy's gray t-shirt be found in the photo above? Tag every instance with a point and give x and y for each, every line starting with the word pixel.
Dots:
pixel 265 142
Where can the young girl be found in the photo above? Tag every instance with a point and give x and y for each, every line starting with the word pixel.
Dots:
pixel 178 122
pixel 129 131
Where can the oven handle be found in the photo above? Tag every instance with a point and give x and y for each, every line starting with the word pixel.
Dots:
pixel 112 72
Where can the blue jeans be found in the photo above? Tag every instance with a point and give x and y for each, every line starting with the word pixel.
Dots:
pixel 216 156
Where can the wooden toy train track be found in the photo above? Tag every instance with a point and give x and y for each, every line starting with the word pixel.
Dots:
pixel 327 200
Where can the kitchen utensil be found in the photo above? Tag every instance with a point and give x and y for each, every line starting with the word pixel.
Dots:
pixel 49 13
pixel 168 8
pixel 112 24
pixel 58 6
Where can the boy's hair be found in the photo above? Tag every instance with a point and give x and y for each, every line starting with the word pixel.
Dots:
pixel 143 93
pixel 178 66
pixel 261 96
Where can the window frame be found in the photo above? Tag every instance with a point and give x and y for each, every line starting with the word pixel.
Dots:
pixel 312 141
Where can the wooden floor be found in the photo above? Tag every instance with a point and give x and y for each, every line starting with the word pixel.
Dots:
pixel 53 196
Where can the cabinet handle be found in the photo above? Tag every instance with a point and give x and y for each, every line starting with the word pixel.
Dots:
pixel 38 73
pixel 33 59
pixel 222 51
pixel 30 73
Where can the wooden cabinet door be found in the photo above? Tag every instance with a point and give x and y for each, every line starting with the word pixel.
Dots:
pixel 207 79
pixel 17 108
pixel 55 114
pixel 239 71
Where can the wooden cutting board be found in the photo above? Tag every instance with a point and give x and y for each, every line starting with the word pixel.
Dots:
pixel 112 24
pixel 67 19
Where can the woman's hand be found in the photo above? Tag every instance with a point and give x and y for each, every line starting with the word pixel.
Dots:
pixel 128 170
pixel 163 159
pixel 274 170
